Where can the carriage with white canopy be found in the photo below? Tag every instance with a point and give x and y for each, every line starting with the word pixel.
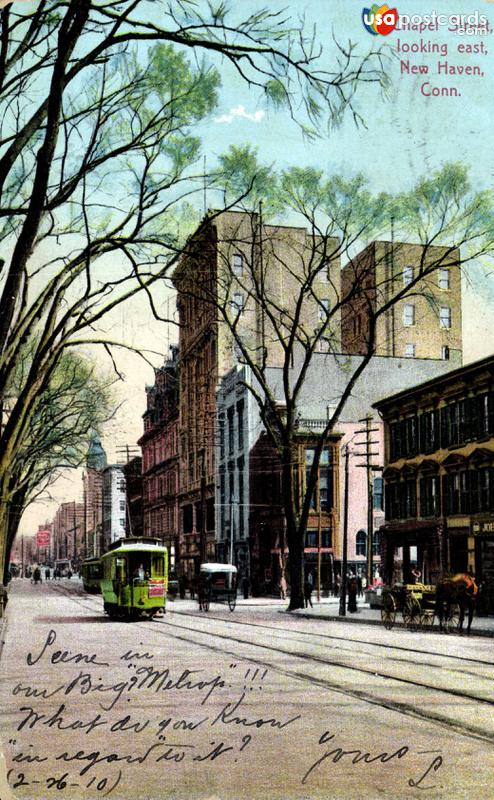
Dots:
pixel 217 583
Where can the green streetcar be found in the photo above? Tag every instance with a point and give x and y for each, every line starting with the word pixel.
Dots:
pixel 91 571
pixel 134 578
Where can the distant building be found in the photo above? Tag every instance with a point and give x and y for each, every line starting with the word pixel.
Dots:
pixel 92 482
pixel 439 475
pixel 425 324
pixel 44 552
pixel 160 459
pixel 114 504
pixel 134 501
pixel 68 534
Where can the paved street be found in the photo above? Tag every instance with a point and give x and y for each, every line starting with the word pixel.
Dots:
pixel 250 704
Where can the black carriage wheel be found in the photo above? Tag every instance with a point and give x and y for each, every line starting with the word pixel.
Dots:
pixel 411 613
pixel 232 601
pixel 453 617
pixel 388 611
pixel 427 618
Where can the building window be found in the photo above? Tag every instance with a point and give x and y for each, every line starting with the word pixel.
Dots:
pixel 408 499
pixel 312 538
pixel 409 314
pixel 238 265
pixel 231 440
pixel 443 279
pixel 444 317
pixel 445 352
pixel 222 504
pixel 323 310
pixel 237 304
pixel 376 543
pixel 407 276
pixel 322 497
pixel 222 435
pixel 410 350
pixel 377 494
pixel 430 501
pixel 361 544
pixel 240 423
pixel 324 273
pixel 457 493
pixel 429 431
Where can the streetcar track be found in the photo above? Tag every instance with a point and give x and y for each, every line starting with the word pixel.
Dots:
pixel 408 661
pixel 341 665
pixel 385 646
pixel 312 635
pixel 406 709
pixel 400 707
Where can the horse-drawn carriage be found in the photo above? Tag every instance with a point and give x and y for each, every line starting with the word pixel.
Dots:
pixel 217 582
pixel 420 603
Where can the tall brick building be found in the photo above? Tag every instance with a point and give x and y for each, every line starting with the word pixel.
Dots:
pixel 159 444
pixel 237 269
pixel 424 324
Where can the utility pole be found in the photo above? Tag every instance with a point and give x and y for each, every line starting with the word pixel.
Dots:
pixel 342 611
pixel 368 454
pixel 202 540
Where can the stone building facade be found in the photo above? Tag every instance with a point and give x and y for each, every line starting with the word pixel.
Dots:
pixel 160 462
pixel 439 474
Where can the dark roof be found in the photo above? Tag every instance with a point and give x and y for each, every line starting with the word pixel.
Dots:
pixel 448 377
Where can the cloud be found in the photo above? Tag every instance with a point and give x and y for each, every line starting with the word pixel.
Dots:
pixel 239 113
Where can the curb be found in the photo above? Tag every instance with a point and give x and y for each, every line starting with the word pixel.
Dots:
pixel 355 619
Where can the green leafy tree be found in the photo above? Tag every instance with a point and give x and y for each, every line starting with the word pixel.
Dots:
pixel 451 221
pixel 76 402
pixel 99 102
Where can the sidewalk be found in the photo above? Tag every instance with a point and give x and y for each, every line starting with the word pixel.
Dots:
pixel 328 609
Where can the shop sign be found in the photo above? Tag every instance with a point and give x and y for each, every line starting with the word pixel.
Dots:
pixel 483 527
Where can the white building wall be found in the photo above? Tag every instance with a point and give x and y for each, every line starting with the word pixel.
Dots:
pixel 114 499
pixel 236 408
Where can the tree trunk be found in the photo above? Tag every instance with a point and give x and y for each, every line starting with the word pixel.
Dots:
pixel 294 536
pixel 296 550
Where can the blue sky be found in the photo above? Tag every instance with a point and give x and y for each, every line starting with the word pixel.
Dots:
pixel 406 133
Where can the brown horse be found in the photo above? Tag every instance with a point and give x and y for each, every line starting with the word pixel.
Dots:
pixel 460 590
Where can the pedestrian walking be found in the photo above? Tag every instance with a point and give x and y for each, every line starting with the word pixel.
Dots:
pixel 360 591
pixel 282 587
pixel 47 574
pixel 308 591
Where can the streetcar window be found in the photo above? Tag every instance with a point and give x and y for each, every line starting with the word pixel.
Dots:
pixel 158 566
pixel 120 570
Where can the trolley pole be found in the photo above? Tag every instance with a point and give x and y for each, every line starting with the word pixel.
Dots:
pixel 368 454
pixel 202 539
